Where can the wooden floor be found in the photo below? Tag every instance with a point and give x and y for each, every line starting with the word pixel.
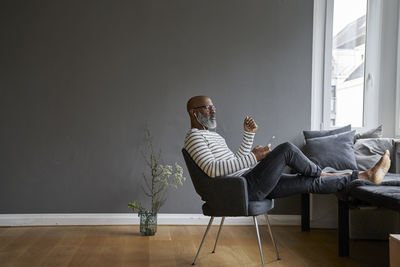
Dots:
pixel 177 246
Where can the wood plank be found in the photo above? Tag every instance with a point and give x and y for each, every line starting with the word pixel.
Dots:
pixel 11 252
pixel 135 247
pixel 63 252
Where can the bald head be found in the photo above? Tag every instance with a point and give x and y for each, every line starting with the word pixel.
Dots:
pixel 197 101
pixel 201 112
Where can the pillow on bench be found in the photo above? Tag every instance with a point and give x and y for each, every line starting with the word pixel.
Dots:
pixel 335 151
pixel 373 133
pixel 369 151
pixel 322 133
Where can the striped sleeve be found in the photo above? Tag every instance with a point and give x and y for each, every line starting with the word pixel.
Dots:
pixel 197 147
pixel 245 146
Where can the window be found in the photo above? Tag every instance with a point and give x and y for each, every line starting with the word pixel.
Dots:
pixel 346 63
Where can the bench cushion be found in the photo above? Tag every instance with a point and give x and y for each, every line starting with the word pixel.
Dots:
pixel 381 196
pixel 386 195
pixel 391 179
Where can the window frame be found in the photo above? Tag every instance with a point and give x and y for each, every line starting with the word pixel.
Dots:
pixel 321 68
pixel 397 116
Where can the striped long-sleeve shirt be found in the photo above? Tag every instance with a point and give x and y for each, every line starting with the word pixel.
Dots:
pixel 210 152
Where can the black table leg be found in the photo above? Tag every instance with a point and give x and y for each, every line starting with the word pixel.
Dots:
pixel 343 231
pixel 305 212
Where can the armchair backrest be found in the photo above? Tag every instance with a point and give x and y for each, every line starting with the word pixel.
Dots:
pixel 224 196
pixel 201 181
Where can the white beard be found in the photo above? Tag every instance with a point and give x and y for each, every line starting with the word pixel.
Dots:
pixel 206 121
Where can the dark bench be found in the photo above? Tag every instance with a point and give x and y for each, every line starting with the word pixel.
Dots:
pixel 359 193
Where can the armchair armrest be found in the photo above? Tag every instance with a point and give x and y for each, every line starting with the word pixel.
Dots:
pixel 226 196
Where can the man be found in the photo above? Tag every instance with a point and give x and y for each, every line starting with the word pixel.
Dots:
pixel 261 166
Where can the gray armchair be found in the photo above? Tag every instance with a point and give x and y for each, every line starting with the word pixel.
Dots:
pixel 224 197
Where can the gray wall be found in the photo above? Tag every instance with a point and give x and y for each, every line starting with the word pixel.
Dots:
pixel 81 80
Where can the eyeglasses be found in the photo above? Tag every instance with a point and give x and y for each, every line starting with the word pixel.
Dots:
pixel 209 107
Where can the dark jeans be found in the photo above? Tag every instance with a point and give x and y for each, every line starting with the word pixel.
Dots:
pixel 266 179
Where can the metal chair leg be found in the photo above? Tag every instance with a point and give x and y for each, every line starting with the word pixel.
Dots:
pixel 259 241
pixel 202 241
pixel 272 236
pixel 219 231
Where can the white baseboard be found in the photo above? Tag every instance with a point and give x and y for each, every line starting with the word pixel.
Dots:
pixel 132 218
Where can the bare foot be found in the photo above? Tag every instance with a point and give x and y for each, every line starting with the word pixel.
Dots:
pixel 378 172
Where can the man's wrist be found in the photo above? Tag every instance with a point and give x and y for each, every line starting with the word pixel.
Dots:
pixel 254 157
pixel 247 132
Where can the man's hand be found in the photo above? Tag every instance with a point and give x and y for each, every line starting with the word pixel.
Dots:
pixel 250 125
pixel 261 152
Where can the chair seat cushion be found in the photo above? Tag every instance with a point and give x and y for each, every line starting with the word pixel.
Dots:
pixel 260 207
pixel 255 208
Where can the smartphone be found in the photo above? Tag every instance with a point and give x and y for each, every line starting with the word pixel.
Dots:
pixel 271 140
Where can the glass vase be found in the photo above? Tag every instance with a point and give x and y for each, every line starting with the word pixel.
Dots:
pixel 148 223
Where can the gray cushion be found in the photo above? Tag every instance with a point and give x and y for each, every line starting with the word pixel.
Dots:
pixel 369 151
pixel 390 180
pixel 373 133
pixel 386 195
pixel 381 196
pixel 314 134
pixel 334 151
